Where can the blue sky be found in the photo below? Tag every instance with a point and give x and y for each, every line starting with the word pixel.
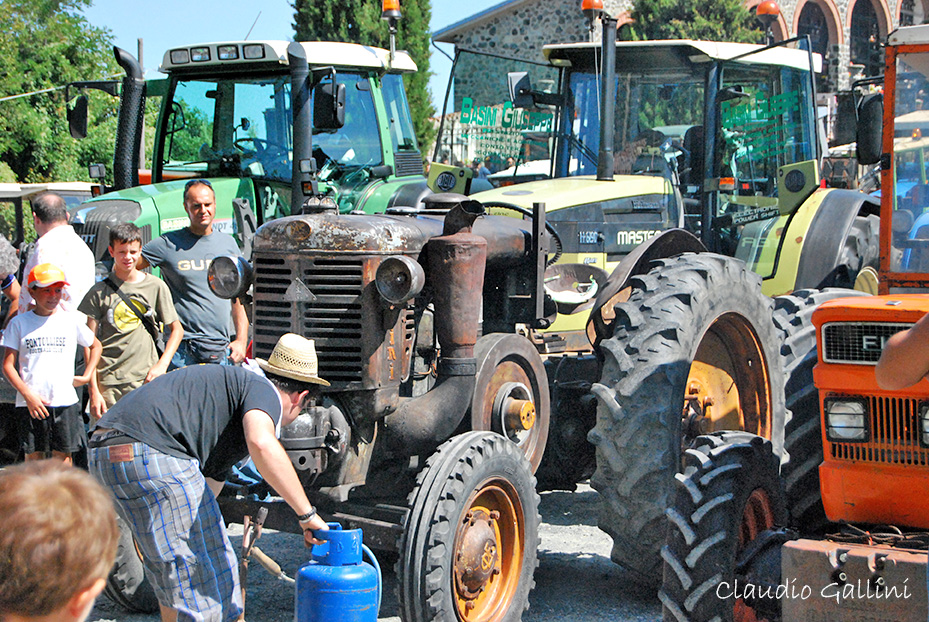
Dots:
pixel 171 23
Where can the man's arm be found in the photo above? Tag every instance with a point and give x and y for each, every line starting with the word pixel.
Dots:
pixel 905 358
pixel 274 465
pixel 174 340
pixel 240 321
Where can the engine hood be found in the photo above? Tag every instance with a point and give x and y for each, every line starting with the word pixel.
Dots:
pixel 565 192
pixel 507 238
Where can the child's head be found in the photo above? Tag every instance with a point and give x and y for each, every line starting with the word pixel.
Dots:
pixel 58 540
pixel 125 246
pixel 46 283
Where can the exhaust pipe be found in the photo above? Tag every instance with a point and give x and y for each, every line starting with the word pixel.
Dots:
pixel 457 260
pixel 131 115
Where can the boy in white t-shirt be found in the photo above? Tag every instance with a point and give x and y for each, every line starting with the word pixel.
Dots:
pixel 43 341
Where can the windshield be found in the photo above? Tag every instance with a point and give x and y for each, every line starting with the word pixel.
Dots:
pixel 242 127
pixel 657 121
pixel 236 127
pixel 485 131
pixel 911 170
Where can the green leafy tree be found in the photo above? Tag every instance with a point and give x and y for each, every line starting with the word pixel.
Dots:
pixel 46 44
pixel 359 21
pixel 712 20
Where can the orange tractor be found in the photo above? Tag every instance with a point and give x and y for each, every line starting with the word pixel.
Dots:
pixel 839 528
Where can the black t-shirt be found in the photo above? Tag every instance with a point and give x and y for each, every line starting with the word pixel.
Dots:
pixel 196 412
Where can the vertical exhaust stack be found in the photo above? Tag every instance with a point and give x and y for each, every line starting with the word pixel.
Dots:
pixel 303 184
pixel 607 98
pixel 457 260
pixel 456 264
pixel 131 118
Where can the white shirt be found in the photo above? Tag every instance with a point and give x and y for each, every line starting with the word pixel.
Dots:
pixel 62 247
pixel 47 346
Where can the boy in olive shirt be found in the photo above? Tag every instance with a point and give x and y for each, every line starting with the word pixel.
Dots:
pixel 129 356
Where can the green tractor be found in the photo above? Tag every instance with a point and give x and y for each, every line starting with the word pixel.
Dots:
pixel 676 219
pixel 227 114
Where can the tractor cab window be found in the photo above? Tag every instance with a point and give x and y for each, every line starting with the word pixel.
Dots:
pixel 402 134
pixel 484 130
pixel 658 125
pixel 344 156
pixel 233 127
pixel 911 165
pixel 765 123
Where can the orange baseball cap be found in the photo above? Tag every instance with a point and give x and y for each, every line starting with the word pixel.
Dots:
pixel 45 275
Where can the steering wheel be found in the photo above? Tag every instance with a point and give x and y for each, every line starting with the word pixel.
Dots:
pixel 261 146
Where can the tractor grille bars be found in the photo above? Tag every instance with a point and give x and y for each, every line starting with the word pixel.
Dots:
pixel 317 297
pixel 893 435
pixel 857 343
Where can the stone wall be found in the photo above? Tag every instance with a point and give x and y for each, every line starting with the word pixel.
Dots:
pixel 519 34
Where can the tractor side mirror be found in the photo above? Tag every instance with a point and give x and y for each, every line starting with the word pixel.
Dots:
pixel 520 88
pixel 868 130
pixel 329 106
pixel 77 117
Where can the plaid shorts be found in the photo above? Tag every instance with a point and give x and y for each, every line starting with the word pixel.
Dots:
pixel 179 529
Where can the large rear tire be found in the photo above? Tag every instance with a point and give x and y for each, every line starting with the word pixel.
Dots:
pixel 793 317
pixel 728 494
pixel 693 350
pixel 469 550
pixel 126 584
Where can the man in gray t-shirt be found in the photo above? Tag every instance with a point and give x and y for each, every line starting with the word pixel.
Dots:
pixel 184 257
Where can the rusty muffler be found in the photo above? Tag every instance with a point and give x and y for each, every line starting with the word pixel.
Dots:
pixel 457 260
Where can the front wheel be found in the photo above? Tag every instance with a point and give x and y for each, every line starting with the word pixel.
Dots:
pixel 469 549
pixel 721 532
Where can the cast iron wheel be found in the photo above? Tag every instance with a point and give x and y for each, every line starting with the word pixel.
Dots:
pixel 511 393
pixel 728 495
pixel 468 552
pixel 803 445
pixel 693 351
pixel 126 584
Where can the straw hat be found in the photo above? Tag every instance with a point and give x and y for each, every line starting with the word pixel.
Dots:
pixel 294 357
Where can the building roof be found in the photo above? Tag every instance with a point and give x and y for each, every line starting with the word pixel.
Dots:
pixel 450 33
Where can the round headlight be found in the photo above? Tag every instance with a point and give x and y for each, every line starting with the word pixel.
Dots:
pixel 229 277
pixel 399 278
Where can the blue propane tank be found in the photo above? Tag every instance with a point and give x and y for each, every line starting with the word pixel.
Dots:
pixel 337 584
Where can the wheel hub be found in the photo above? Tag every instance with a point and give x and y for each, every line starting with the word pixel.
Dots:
pixel 476 561
pixel 513 411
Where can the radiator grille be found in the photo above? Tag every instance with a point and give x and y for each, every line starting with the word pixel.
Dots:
pixel 857 343
pixel 333 319
pixel 893 435
pixel 100 216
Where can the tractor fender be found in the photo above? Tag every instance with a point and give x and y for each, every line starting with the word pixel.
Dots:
pixel 825 237
pixel 666 244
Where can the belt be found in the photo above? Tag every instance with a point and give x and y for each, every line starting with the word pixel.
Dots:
pixel 109 438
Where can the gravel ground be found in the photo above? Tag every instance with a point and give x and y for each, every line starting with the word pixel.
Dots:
pixel 575 580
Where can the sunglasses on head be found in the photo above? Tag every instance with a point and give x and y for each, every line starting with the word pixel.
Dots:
pixel 197 182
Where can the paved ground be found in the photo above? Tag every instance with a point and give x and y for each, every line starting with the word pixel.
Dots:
pixel 575 581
